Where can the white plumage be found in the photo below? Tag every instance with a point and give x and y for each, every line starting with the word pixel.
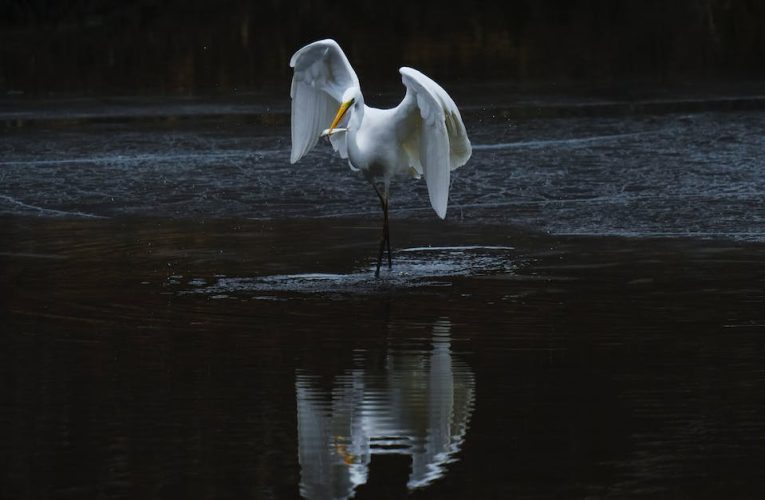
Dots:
pixel 322 75
pixel 423 135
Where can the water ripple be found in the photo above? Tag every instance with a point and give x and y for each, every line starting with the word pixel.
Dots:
pixel 413 267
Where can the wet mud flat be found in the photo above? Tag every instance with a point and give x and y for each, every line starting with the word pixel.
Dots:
pixel 148 358
pixel 674 174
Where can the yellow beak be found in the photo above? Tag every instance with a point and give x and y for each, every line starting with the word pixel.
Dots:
pixel 339 116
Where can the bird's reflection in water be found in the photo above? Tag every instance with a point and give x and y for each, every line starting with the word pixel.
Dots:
pixel 419 405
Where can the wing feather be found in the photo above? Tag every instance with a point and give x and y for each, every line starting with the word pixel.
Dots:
pixel 436 140
pixel 322 74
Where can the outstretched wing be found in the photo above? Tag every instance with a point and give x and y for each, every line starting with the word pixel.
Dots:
pixel 322 74
pixel 435 140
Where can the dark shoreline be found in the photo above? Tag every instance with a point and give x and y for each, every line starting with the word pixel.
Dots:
pixel 271 108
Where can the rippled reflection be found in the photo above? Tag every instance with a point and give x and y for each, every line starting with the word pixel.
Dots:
pixel 420 406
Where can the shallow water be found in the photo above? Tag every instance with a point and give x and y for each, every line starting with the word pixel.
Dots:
pixel 696 174
pixel 150 358
pixel 186 315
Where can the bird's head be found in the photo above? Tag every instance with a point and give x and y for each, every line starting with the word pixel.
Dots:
pixel 351 100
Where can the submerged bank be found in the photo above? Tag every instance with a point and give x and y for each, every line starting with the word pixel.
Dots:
pixel 677 174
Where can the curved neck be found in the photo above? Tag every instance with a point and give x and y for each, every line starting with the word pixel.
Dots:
pixel 357 113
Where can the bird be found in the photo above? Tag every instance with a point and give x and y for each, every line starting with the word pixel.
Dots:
pixel 423 136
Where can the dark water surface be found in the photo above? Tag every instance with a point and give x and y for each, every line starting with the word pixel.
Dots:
pixel 185 315
pixel 158 358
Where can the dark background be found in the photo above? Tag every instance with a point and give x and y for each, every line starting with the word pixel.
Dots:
pixel 192 47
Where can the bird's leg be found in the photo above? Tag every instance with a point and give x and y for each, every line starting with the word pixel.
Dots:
pixel 386 232
pixel 385 237
pixel 380 254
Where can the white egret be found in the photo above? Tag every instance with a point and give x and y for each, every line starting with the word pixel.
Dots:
pixel 422 136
